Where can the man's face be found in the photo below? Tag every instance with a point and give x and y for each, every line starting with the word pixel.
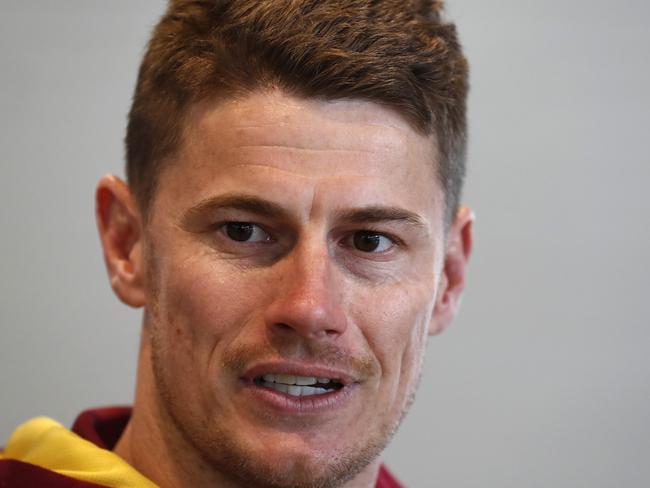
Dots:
pixel 293 256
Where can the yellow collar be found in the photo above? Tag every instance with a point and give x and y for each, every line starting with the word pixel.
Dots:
pixel 46 443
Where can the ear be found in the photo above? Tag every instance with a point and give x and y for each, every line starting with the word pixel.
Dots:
pixel 120 230
pixel 452 279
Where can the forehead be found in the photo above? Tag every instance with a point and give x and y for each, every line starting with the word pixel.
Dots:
pixel 270 140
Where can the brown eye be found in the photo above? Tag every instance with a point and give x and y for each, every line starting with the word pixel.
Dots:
pixel 245 232
pixel 368 241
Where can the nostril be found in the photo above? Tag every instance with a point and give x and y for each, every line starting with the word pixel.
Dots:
pixel 284 327
pixel 315 334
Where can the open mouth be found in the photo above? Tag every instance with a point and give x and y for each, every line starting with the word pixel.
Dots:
pixel 298 386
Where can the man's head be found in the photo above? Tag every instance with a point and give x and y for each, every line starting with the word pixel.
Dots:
pixel 295 252
pixel 396 53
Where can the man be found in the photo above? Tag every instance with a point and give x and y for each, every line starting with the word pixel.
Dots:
pixel 291 229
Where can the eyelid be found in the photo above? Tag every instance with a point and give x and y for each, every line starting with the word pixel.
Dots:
pixel 221 228
pixel 391 245
pixel 396 242
pixel 345 240
pixel 388 235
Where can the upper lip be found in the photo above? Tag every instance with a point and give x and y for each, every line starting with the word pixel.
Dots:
pixel 300 369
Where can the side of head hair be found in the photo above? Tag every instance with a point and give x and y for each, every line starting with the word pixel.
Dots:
pixel 397 53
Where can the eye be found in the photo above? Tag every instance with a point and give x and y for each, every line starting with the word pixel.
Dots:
pixel 245 232
pixel 369 241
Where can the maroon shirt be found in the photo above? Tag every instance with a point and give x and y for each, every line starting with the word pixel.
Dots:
pixel 103 427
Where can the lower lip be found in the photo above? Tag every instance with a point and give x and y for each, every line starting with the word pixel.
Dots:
pixel 298 405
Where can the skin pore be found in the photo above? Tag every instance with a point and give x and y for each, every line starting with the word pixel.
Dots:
pixel 287 237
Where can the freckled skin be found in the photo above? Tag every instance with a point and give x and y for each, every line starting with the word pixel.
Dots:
pixel 215 306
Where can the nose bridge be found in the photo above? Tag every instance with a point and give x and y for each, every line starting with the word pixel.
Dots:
pixel 307 299
pixel 311 271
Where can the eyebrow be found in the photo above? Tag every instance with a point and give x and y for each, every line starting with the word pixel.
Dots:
pixel 377 214
pixel 248 203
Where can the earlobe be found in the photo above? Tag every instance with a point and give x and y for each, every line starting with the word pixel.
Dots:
pixel 120 229
pixel 452 279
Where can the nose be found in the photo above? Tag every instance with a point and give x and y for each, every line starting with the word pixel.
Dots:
pixel 307 299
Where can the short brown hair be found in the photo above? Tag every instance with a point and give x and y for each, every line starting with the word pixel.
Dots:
pixel 398 53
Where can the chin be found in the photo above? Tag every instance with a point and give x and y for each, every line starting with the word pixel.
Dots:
pixel 284 462
pixel 297 471
pixel 288 463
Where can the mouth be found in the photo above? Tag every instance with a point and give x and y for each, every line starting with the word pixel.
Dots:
pixel 298 389
pixel 298 386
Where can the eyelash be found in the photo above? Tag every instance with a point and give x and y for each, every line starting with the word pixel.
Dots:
pixel 348 241
pixel 224 228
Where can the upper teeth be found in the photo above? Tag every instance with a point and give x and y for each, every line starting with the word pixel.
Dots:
pixel 296 385
pixel 289 379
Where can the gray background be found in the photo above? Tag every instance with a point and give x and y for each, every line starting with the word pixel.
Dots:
pixel 544 380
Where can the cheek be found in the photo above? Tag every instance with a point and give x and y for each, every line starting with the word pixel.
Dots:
pixel 396 330
pixel 205 304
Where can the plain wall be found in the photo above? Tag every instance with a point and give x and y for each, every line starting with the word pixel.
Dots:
pixel 544 379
